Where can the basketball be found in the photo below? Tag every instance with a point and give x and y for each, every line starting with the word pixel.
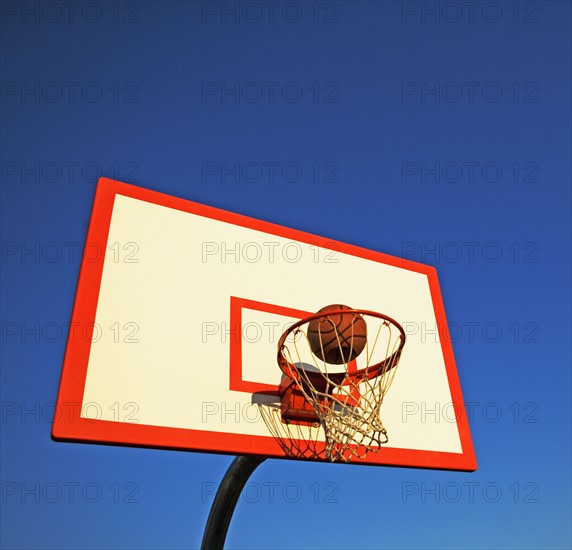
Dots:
pixel 338 339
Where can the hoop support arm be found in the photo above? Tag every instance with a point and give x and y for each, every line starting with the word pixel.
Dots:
pixel 225 500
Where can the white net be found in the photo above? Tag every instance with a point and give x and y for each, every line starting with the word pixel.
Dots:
pixel 344 399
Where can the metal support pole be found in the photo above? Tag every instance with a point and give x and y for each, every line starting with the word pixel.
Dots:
pixel 225 500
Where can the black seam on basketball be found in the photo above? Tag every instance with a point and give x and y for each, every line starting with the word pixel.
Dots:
pixel 337 351
pixel 352 336
pixel 340 335
pixel 334 330
pixel 324 321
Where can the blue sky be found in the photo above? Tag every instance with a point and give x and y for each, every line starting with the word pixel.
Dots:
pixel 441 137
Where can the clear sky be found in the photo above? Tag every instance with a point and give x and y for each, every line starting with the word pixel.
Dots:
pixel 443 137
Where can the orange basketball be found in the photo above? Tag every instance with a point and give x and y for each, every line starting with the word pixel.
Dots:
pixel 337 339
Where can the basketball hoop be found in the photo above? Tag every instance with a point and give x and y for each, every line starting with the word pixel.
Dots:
pixel 338 366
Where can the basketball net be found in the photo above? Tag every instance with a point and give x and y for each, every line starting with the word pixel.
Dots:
pixel 345 400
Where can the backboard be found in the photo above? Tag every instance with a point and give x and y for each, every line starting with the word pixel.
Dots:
pixel 178 312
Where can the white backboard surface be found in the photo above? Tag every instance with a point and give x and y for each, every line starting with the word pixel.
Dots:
pixel 178 312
